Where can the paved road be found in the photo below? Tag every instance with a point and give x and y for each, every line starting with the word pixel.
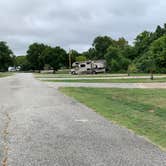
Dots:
pixel 41 127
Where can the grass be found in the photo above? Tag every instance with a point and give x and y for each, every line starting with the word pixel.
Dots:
pixel 141 110
pixel 60 74
pixel 76 76
pixel 5 74
pixel 130 80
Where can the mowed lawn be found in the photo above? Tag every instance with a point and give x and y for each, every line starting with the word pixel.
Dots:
pixel 5 74
pixel 143 111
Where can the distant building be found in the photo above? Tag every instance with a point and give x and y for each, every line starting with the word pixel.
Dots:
pixel 89 67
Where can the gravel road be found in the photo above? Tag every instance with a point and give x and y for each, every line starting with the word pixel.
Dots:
pixel 98 78
pixel 108 85
pixel 42 127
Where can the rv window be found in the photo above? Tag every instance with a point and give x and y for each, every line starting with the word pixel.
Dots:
pixel 82 65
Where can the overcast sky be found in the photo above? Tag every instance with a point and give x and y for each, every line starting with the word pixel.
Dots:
pixel 75 23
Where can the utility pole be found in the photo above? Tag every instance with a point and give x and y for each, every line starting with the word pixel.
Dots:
pixel 69 59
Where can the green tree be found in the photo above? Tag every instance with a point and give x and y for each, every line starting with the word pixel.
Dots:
pixel 131 69
pixel 115 60
pixel 157 52
pixel 151 67
pixel 73 55
pixel 54 57
pixel 81 58
pixel 34 56
pixel 121 42
pixel 129 52
pixel 142 43
pixel 159 32
pixel 6 56
pixel 101 44
pixel 91 54
pixel 22 61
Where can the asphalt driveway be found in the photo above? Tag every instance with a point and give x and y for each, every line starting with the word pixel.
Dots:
pixel 42 127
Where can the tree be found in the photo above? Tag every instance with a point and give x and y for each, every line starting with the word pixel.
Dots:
pixel 157 52
pixel 91 54
pixel 131 69
pixel 115 60
pixel 6 56
pixel 54 57
pixel 81 58
pixel 121 42
pixel 22 61
pixel 101 44
pixel 34 56
pixel 73 55
pixel 159 32
pixel 151 67
pixel 142 43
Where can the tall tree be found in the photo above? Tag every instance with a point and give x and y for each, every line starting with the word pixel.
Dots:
pixel 115 60
pixel 158 53
pixel 142 43
pixel 54 57
pixel 101 44
pixel 34 56
pixel 91 54
pixel 6 56
pixel 22 62
pixel 121 42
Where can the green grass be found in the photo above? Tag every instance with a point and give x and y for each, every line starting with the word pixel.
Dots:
pixel 5 74
pixel 130 80
pixel 143 111
pixel 76 76
pixel 61 74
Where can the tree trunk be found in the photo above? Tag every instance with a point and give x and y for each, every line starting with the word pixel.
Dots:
pixel 54 71
pixel 151 76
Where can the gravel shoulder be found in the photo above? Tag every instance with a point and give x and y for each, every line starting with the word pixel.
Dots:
pixel 107 85
pixel 99 78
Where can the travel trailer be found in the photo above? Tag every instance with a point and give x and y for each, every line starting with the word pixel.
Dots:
pixel 88 67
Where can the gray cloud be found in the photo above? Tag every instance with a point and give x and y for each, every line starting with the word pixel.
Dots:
pixel 75 23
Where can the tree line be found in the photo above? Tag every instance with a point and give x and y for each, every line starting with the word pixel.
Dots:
pixel 146 54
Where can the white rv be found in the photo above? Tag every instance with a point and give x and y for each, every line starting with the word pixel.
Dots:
pixel 14 69
pixel 88 67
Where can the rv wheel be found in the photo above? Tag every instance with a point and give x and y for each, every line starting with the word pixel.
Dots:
pixel 73 72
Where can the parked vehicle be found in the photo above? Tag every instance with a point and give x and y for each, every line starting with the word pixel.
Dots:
pixel 89 67
pixel 13 69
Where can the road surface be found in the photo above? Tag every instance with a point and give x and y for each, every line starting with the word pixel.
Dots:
pixel 42 127
pixel 91 77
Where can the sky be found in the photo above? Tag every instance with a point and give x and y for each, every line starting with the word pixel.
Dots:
pixel 73 24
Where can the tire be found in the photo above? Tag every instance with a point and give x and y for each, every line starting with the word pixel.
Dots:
pixel 94 72
pixel 73 73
